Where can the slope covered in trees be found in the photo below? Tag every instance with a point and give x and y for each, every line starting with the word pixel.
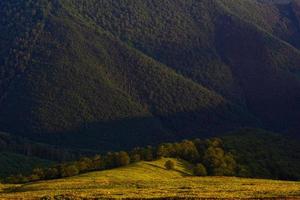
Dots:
pixel 12 163
pixel 23 146
pixel 228 46
pixel 117 74
pixel 244 153
pixel 265 154
pixel 207 153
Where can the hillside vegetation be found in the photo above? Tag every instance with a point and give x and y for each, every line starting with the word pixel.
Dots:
pixel 265 154
pixel 151 179
pixel 244 153
pixel 17 163
pixel 18 155
pixel 26 147
pixel 103 98
pixel 206 157
pixel 114 75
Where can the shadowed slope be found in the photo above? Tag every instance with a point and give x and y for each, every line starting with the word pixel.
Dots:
pixel 78 76
pixel 238 49
pixel 107 74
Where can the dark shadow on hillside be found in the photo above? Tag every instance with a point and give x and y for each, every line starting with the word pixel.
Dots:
pixel 176 170
pixel 122 134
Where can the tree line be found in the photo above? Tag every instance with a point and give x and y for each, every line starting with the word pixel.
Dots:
pixel 208 157
pixel 27 147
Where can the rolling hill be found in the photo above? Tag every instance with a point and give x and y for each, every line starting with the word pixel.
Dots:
pixel 116 74
pixel 250 153
pixel 151 179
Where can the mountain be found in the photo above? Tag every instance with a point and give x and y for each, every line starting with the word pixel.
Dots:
pixel 117 74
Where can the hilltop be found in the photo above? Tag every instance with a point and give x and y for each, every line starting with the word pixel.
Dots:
pixel 151 179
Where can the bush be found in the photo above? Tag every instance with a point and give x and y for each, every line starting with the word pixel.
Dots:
pixel 34 177
pixel 123 159
pixel 70 170
pixel 136 158
pixel 17 179
pixel 169 165
pixel 51 173
pixel 200 170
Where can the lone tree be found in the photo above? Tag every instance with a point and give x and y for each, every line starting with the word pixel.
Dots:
pixel 123 159
pixel 169 165
pixel 200 170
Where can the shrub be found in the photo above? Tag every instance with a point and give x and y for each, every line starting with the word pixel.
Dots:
pixel 34 177
pixel 17 179
pixel 169 165
pixel 123 159
pixel 136 158
pixel 200 170
pixel 70 170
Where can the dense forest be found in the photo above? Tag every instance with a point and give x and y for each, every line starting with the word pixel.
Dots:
pixel 21 145
pixel 266 154
pixel 84 74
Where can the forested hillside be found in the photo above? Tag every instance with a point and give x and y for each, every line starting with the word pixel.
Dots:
pixel 20 155
pixel 21 145
pixel 19 164
pixel 110 74
pixel 265 154
pixel 244 153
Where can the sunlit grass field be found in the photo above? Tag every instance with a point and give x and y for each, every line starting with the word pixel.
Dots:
pixel 151 180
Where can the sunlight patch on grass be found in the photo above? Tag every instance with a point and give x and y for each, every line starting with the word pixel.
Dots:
pixel 151 179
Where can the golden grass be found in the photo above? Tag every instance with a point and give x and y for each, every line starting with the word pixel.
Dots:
pixel 151 180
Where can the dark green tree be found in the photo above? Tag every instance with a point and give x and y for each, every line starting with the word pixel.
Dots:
pixel 148 153
pixel 135 157
pixel 51 173
pixel 84 164
pixel 98 163
pixel 162 151
pixel 39 172
pixel 200 170
pixel 123 159
pixel 69 170
pixel 169 165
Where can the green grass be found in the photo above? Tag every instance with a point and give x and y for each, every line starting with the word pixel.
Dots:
pixel 151 179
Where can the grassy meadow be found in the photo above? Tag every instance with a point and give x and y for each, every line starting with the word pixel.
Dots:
pixel 151 180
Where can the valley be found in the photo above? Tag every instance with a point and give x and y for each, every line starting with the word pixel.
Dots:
pixel 142 99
